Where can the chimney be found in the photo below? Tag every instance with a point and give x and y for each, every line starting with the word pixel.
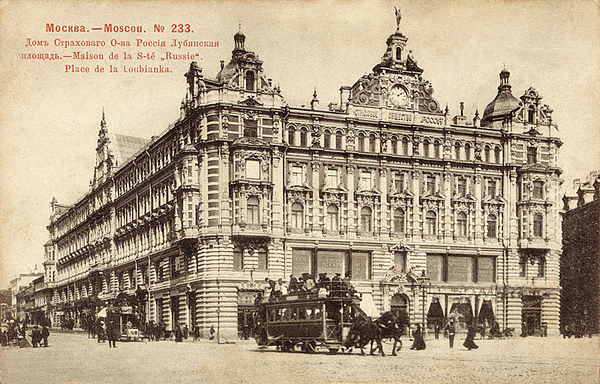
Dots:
pixel 344 97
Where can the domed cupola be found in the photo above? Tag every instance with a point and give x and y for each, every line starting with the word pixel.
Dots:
pixel 239 39
pixel 503 104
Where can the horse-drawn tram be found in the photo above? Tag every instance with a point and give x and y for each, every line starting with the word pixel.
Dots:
pixel 307 320
pixel 328 316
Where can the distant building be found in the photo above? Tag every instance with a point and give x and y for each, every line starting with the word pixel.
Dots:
pixel 20 282
pixel 436 215
pixel 580 262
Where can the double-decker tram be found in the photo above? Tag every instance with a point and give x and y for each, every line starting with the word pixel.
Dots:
pixel 320 318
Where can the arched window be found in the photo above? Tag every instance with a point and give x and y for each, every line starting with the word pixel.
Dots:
pixel 430 223
pixel 372 143
pixel 394 145
pixel 398 53
pixel 327 139
pixel 436 149
pixel 291 136
pixel 332 223
pixel 361 142
pixel 531 115
pixel 491 226
pixel 538 225
pixel 497 155
pixel 338 140
pixel 467 151
pixel 250 81
pixel 365 219
pixel 399 221
pixel 297 215
pixel 253 210
pixel 303 137
pixel 538 189
pixel 461 224
pixel 457 151
pixel 486 154
pixel 405 146
pixel 426 148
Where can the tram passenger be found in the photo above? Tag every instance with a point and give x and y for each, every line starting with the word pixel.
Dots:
pixel 293 284
pixel 309 283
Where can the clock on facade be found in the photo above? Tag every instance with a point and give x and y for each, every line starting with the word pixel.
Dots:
pixel 398 96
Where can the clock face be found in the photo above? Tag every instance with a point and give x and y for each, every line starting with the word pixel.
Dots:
pixel 398 96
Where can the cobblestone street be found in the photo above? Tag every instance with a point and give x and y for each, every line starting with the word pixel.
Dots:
pixel 73 358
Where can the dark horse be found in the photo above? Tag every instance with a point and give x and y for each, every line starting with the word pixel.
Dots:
pixel 362 332
pixel 392 327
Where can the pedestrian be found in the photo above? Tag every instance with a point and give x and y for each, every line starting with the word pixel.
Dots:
pixel 451 332
pixel 436 330
pixel 196 332
pixel 178 334
pixel 45 334
pixel 469 340
pixel 211 335
pixel 185 331
pixel 419 342
pixel 112 334
pixel 36 336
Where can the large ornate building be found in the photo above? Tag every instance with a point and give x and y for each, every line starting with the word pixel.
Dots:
pixel 428 213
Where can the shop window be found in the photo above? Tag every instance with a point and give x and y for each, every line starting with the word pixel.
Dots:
pixel 399 221
pixel 297 215
pixel 460 268
pixel 430 223
pixel 486 269
pixel 435 267
pixel 301 261
pixel 365 219
pixel 360 265
pixel 253 210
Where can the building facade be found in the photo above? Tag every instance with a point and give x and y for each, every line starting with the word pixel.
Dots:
pixel 580 262
pixel 435 215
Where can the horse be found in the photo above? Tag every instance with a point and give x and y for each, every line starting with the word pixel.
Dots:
pixel 362 332
pixel 391 327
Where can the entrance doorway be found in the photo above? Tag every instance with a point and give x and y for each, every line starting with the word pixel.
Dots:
pixel 532 316
pixel 399 307
pixel 174 312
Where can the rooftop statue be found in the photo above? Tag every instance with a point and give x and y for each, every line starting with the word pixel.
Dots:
pixel 398 18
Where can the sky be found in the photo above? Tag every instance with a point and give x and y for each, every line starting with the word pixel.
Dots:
pixel 49 118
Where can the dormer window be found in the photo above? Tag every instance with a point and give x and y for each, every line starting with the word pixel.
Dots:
pixel 250 81
pixel 398 53
pixel 531 115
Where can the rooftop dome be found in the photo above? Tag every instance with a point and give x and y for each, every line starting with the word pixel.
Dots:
pixel 504 102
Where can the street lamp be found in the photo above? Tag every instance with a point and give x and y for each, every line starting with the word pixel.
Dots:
pixel 423 280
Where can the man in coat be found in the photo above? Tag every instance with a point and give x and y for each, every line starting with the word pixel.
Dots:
pixel 45 334
pixel 469 340
pixel 451 332
pixel 112 333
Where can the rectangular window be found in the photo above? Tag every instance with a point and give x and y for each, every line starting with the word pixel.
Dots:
pixel 250 128
pixel 430 184
pixel 523 267
pixel 460 268
pixel 237 259
pixel 531 155
pixel 399 182
pixel 296 175
pixel 365 181
pixel 252 169
pixel 263 261
pixel 541 267
pixel 301 261
pixel 331 262
pixel 461 187
pixel 400 261
pixel 491 189
pixel 331 180
pixel 435 267
pixel 486 269
pixel 360 265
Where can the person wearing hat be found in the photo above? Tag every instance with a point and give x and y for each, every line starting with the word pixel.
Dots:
pixel 451 332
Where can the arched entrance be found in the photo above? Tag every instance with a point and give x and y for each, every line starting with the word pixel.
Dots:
pixel 399 307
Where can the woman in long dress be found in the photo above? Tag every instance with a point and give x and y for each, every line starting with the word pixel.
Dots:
pixel 419 342
pixel 469 340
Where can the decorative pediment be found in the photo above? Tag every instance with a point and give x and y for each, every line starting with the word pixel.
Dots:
pixel 392 276
pixel 251 102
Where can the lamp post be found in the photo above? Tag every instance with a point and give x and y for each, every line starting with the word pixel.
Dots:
pixel 423 280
